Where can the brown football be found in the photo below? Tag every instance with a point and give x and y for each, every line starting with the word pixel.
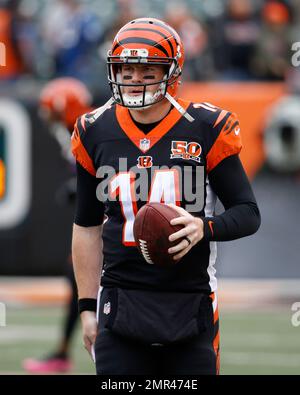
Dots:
pixel 151 231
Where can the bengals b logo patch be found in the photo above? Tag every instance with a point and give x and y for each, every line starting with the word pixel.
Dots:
pixel 144 162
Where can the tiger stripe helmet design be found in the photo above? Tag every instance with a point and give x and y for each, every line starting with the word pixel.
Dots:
pixel 146 41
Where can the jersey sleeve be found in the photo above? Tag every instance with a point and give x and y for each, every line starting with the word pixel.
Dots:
pixel 81 146
pixel 89 209
pixel 224 138
pixel 241 216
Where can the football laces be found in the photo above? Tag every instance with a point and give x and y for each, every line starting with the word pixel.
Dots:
pixel 144 250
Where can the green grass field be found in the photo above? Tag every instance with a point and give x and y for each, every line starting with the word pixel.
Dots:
pixel 252 342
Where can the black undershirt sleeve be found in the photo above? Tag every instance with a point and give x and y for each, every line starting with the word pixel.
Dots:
pixel 89 210
pixel 241 216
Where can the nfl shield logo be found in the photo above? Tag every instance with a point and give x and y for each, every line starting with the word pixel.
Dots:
pixel 106 309
pixel 144 144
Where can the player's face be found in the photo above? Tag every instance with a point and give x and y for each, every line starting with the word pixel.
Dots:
pixel 141 74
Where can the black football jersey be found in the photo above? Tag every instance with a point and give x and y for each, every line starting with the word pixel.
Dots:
pixel 169 164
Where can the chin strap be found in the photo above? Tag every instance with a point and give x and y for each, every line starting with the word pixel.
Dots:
pixel 179 108
pixel 103 108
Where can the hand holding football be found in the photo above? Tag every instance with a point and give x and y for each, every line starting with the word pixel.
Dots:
pixel 152 229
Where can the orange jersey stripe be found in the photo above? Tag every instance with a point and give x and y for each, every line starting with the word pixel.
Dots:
pixel 216 346
pixel 220 117
pixel 216 311
pixel 216 315
pixel 227 143
pixel 80 152
pixel 216 342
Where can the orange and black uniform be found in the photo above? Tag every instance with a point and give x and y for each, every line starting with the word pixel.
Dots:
pixel 157 319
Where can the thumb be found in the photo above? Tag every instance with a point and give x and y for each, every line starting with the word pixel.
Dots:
pixel 88 342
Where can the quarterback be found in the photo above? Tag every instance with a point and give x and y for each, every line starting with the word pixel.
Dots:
pixel 154 319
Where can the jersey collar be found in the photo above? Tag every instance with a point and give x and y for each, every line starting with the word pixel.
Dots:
pixel 150 139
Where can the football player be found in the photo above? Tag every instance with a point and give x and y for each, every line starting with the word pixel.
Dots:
pixel 154 319
pixel 62 100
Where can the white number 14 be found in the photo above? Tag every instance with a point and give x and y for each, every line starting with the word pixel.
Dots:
pixel 164 189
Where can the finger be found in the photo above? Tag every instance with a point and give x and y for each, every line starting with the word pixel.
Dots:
pixel 93 355
pixel 182 253
pixel 180 246
pixel 181 233
pixel 88 344
pixel 180 221
pixel 92 337
pixel 91 352
pixel 180 210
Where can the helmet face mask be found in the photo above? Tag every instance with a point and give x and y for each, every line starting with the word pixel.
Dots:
pixel 146 98
pixel 150 42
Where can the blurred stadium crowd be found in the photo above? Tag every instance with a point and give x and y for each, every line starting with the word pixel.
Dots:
pixel 224 40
